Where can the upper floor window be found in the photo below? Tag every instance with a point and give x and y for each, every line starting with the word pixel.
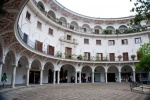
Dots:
pixel 96 31
pixel 68 37
pixel 86 41
pixel 72 27
pixel 39 25
pixel 84 29
pixel 98 42
pixel 111 42
pixel 50 31
pixel 138 40
pixel 124 41
pixel 28 15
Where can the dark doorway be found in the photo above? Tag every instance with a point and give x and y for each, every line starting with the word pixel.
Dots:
pixel 31 77
pixel 34 77
pixel 50 76
pixel 83 78
pixel 111 77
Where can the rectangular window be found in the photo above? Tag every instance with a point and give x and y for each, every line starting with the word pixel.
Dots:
pixel 86 41
pixel 112 56
pixel 124 41
pixel 98 42
pixel 138 40
pixel 86 56
pixel 25 38
pixel 111 42
pixel 68 37
pixel 50 31
pixel 50 50
pixel 125 56
pixel 99 56
pixel 39 25
pixel 28 15
pixel 39 46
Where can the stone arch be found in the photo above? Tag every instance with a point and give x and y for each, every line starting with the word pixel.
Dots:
pixel 126 73
pixel 67 73
pixel 34 76
pixel 1 51
pixel 122 28
pixel 99 74
pixel 112 73
pixel 111 28
pixel 41 6
pixel 86 28
pixel 74 25
pixel 51 15
pixel 48 72
pixel 36 64
pixel 86 74
pixel 63 21
pixel 98 29
pixel 7 68
pixel 21 70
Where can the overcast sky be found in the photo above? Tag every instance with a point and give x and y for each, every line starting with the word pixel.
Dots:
pixel 100 8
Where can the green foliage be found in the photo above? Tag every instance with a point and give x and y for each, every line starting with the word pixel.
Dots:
pixel 144 62
pixel 107 32
pixel 142 9
pixel 133 56
pixel 118 31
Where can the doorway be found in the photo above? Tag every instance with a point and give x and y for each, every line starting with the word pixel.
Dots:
pixel 111 77
pixel 50 76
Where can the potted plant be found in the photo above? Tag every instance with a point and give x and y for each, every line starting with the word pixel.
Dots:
pixel 133 56
pixel 80 57
pixel 119 57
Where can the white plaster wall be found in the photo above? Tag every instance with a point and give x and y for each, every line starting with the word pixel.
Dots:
pixel 20 73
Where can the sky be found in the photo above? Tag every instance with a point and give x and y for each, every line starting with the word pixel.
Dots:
pixel 100 8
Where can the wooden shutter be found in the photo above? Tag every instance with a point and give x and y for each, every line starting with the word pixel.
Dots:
pixel 40 46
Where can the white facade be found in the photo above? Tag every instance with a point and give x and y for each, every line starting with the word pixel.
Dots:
pixel 33 64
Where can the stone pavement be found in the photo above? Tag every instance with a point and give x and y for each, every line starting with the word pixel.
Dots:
pixel 71 91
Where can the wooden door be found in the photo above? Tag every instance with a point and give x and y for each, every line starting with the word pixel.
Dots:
pixel 68 52
pixel 112 56
pixel 50 50
pixel 125 57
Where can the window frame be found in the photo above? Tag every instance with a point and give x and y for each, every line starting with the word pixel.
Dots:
pixel 50 31
pixel 86 41
pixel 111 42
pixel 28 15
pixel 39 25
pixel 98 42
pixel 138 40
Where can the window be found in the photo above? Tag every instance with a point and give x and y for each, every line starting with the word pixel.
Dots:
pixel 86 56
pixel 124 41
pixel 28 15
pixel 50 31
pixel 39 25
pixel 72 27
pixel 99 56
pixel 84 29
pixel 68 37
pixel 39 46
pixel 112 56
pixel 96 31
pixel 98 42
pixel 86 41
pixel 50 50
pixel 111 42
pixel 138 40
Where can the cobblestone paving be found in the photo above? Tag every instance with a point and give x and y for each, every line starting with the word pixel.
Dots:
pixel 68 91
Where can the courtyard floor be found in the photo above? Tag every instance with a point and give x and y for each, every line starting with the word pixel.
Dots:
pixel 68 91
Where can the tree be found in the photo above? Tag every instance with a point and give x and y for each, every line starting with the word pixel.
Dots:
pixel 144 62
pixel 142 9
